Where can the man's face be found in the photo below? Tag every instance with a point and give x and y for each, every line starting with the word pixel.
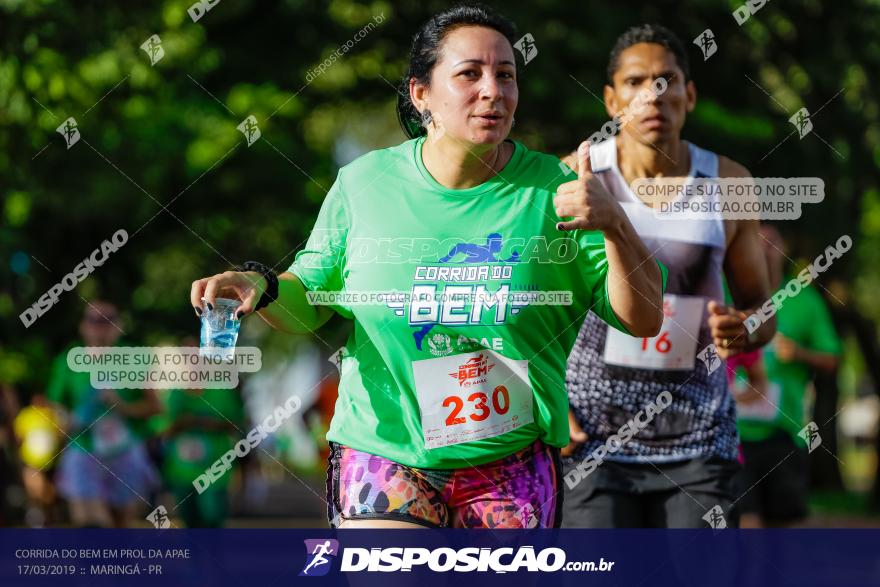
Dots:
pixel 662 117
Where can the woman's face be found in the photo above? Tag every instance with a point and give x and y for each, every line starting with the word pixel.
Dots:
pixel 473 94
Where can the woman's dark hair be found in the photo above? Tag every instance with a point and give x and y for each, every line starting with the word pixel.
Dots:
pixel 648 33
pixel 426 51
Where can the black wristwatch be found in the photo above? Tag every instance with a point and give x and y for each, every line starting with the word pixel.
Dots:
pixel 271 293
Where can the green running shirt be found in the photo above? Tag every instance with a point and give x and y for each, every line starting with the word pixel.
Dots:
pixel 471 366
pixel 95 426
pixel 804 319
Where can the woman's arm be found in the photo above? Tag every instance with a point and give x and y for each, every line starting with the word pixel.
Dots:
pixel 788 351
pixel 291 312
pixel 320 264
pixel 635 285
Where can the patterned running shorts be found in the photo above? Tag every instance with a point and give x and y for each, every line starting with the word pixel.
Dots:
pixel 522 490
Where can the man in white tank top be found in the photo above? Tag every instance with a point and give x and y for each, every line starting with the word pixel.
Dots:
pixel 678 465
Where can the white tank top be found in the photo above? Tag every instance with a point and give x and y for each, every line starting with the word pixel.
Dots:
pixel 606 390
pixel 603 158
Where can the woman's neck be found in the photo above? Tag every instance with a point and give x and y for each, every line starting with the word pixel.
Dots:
pixel 457 166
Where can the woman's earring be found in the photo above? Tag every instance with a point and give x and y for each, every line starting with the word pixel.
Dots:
pixel 426 117
pixel 512 122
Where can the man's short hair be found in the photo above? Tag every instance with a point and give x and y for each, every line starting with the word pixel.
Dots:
pixel 648 33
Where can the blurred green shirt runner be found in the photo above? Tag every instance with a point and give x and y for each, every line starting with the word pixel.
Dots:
pixel 450 384
pixel 96 427
pixel 189 452
pixel 804 319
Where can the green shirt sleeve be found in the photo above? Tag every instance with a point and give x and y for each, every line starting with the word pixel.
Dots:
pixel 320 264
pixel 594 269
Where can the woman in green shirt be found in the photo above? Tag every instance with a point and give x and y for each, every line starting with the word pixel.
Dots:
pixel 205 423
pixel 452 402
pixel 105 472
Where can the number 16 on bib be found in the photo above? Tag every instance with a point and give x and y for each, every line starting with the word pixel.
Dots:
pixel 673 349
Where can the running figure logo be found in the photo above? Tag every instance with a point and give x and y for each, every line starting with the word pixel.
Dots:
pixel 706 42
pixel 159 518
pixel 479 253
pixel 801 121
pixel 715 518
pixel 317 553
pixel 709 356
pixel 336 358
pixel 153 48
pixel 250 130
pixel 810 435
pixel 526 46
pixel 69 131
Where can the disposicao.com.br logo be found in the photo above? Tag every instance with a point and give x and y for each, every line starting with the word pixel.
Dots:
pixel 441 560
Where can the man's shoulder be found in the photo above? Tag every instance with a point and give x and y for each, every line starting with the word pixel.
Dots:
pixel 727 167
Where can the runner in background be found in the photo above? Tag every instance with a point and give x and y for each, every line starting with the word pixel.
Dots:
pixel 747 380
pixel 38 432
pixel 774 453
pixel 205 423
pixel 319 415
pixel 104 471
pixel 680 463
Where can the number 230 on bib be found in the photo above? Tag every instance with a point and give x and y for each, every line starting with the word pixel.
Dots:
pixel 471 396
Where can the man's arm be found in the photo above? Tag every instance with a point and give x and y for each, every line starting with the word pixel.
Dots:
pixel 820 349
pixel 745 268
pixel 788 351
